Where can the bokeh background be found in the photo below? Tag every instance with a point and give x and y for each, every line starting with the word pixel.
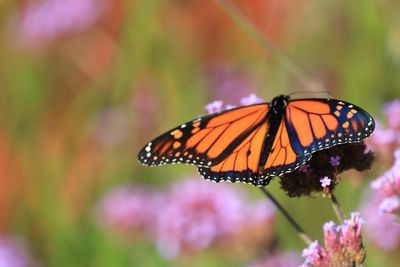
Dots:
pixel 84 84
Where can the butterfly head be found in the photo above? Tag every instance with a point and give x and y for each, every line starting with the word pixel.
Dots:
pixel 279 103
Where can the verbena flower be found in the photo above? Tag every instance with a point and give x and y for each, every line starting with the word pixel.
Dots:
pixel 387 139
pixel 13 253
pixel 218 105
pixel 307 179
pixel 128 209
pixel 197 215
pixel 250 100
pixel 44 21
pixel 392 113
pixel 342 245
pixel 278 259
pixel 215 106
pixel 334 161
pixel 381 229
pixel 325 181
pixel 389 187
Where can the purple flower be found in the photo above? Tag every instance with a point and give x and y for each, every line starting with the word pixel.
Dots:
pixel 278 259
pixel 315 255
pixel 334 161
pixel 343 245
pixel 388 185
pixel 250 100
pixel 215 106
pixel 392 113
pixel 198 214
pixel 385 139
pixel 325 181
pixel 305 168
pixel 13 253
pixel 128 209
pixel 380 228
pixel 390 205
pixel 44 21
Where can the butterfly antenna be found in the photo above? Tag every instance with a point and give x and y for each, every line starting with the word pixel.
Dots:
pixel 311 92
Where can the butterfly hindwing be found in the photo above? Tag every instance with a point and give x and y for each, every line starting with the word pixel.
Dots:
pixel 205 141
pixel 242 164
pixel 281 156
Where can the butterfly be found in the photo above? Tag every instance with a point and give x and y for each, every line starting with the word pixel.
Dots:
pixel 252 144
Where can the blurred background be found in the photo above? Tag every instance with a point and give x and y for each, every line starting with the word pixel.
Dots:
pixel 84 84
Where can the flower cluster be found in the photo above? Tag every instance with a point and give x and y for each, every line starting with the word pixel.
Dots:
pixel 191 216
pixel 380 228
pixel 44 21
pixel 343 245
pixel 387 139
pixel 14 253
pixel 128 209
pixel 218 105
pixel 321 172
pixel 388 186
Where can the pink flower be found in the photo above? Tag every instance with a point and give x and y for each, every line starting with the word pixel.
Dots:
pixel 351 234
pixel 380 228
pixel 218 105
pixel 388 186
pixel 392 113
pixel 315 255
pixel 250 100
pixel 343 245
pixel 390 205
pixel 13 253
pixel 42 22
pixel 127 209
pixel 214 107
pixel 332 237
pixel 386 139
pixel 198 214
pixel 325 181
pixel 278 259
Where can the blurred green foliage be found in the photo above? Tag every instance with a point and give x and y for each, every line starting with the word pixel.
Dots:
pixel 55 167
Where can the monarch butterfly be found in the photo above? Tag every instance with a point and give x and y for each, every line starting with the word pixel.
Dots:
pixel 251 144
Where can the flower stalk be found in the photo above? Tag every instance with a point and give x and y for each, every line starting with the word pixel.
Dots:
pixel 303 236
pixel 337 208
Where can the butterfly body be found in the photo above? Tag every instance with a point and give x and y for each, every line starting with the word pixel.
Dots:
pixel 253 143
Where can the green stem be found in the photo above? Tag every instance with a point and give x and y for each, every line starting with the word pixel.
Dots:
pixel 337 208
pixel 280 56
pixel 295 225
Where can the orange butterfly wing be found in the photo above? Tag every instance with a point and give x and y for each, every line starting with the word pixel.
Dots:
pixel 317 124
pixel 242 164
pixel 310 125
pixel 207 140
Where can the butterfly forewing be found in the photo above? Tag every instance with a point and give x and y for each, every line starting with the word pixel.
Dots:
pixel 205 141
pixel 316 124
